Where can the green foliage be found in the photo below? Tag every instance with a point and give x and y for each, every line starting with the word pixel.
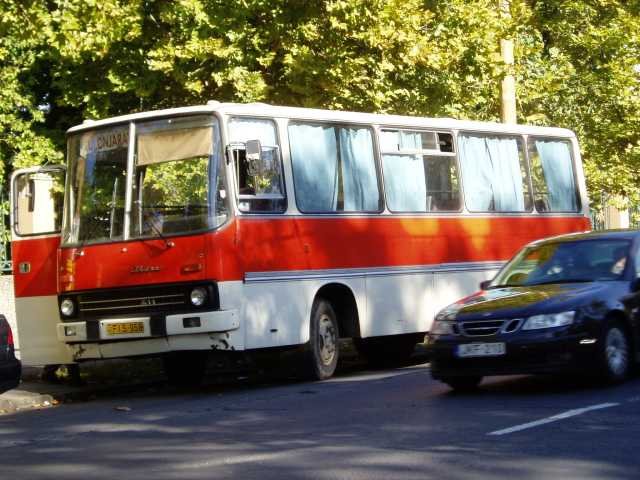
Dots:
pixel 576 65
pixel 176 184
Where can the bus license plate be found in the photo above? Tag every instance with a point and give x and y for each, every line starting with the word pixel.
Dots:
pixel 125 328
pixel 481 349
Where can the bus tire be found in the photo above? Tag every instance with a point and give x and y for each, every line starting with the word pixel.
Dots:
pixel 185 369
pixel 387 351
pixel 322 351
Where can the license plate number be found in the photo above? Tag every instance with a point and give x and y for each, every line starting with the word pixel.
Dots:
pixel 125 328
pixel 481 349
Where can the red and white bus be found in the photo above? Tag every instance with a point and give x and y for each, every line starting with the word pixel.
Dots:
pixel 236 227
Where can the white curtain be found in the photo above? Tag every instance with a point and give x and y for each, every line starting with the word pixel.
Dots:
pixel 404 183
pixel 491 173
pixel 508 194
pixel 558 173
pixel 476 173
pixel 314 157
pixel 389 141
pixel 359 178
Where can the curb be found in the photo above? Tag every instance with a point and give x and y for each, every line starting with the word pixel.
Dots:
pixel 15 400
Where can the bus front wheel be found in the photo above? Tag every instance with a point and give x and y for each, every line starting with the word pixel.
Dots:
pixel 322 351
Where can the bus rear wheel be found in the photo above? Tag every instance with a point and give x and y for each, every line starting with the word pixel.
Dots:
pixel 322 351
pixel 185 369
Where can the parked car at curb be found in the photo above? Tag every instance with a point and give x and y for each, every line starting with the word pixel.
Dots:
pixel 10 367
pixel 565 304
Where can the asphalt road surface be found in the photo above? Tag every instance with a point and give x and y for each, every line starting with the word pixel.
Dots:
pixel 388 424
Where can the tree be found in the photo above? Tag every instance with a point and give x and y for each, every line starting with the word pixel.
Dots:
pixel 576 65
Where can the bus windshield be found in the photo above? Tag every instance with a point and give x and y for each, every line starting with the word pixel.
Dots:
pixel 175 161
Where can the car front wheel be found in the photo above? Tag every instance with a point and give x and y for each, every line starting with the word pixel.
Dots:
pixel 614 354
pixel 463 384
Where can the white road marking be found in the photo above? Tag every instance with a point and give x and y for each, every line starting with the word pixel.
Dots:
pixel 555 418
pixel 378 375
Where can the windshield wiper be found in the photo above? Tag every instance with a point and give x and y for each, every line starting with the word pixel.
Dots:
pixel 568 280
pixel 153 227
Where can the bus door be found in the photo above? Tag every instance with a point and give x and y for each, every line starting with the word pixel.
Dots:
pixel 36 218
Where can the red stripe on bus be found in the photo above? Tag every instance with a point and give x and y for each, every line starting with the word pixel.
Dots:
pixel 261 244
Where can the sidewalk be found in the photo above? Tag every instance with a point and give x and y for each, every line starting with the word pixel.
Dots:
pixel 113 377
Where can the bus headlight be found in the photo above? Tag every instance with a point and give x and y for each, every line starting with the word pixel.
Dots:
pixel 67 307
pixel 198 296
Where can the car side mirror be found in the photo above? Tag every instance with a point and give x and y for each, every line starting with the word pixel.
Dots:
pixel 635 285
pixel 485 284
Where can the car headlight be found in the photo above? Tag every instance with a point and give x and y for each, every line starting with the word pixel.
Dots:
pixel 548 321
pixel 198 296
pixel 443 327
pixel 67 307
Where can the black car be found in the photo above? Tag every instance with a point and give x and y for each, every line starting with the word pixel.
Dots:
pixel 10 368
pixel 564 304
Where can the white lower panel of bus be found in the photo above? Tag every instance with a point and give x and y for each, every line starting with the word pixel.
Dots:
pixel 276 311
pixel 36 320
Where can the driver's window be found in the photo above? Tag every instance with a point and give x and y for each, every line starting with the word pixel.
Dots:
pixel 38 202
pixel 259 180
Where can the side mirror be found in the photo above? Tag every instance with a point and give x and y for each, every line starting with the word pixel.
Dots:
pixel 254 157
pixel 485 284
pixel 635 285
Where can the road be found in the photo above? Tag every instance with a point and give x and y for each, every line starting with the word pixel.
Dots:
pixel 388 424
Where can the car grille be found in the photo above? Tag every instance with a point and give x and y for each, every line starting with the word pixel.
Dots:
pixel 142 300
pixel 485 328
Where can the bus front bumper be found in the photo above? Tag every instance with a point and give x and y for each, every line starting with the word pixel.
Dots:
pixel 145 327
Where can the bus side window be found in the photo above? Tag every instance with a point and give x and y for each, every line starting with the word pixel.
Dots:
pixel 420 171
pixel 442 183
pixel 494 173
pixel 554 185
pixel 334 168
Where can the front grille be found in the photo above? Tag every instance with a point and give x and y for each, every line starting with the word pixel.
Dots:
pixel 158 300
pixel 482 328
pixel 485 328
pixel 148 299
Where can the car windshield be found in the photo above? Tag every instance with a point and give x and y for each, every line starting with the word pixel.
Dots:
pixel 566 262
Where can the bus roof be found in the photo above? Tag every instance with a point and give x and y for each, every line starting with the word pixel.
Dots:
pixel 265 110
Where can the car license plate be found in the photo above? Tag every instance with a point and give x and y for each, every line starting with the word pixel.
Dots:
pixel 481 349
pixel 125 328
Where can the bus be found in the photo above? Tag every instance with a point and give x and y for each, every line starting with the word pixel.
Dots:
pixel 240 227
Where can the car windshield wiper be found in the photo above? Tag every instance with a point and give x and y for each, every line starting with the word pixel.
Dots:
pixel 568 280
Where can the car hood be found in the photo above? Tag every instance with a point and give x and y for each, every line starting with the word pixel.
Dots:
pixel 523 301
